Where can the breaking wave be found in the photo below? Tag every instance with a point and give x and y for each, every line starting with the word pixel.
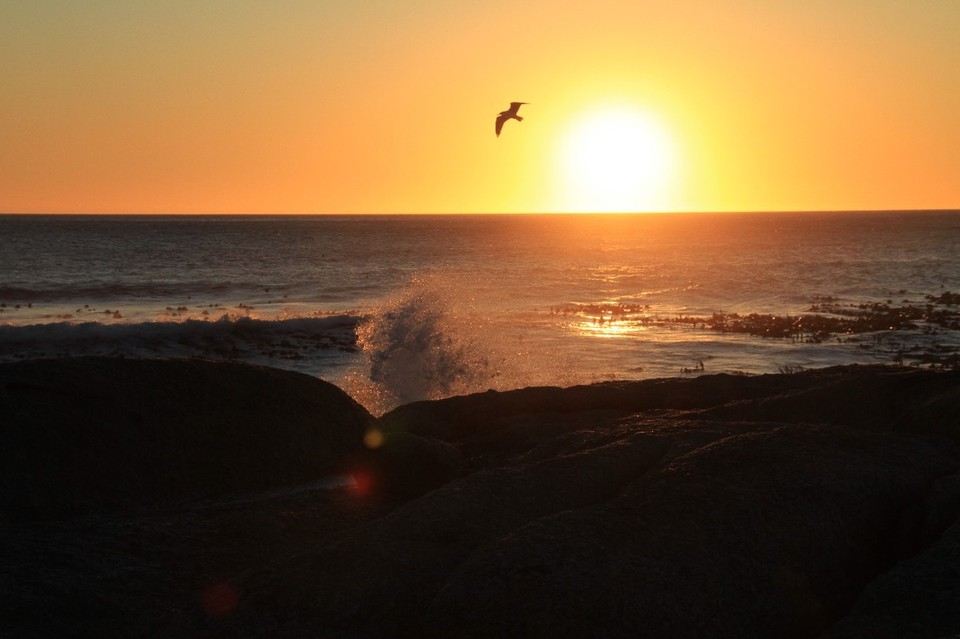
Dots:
pixel 425 342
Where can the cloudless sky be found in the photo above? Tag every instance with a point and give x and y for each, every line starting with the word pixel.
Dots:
pixel 335 106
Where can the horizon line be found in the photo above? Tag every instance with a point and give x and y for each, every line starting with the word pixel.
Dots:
pixel 475 213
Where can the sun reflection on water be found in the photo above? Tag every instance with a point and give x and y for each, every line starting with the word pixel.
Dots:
pixel 609 328
pixel 607 319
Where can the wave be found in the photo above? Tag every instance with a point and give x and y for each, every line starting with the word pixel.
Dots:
pixel 123 290
pixel 230 337
pixel 439 336
pixel 426 342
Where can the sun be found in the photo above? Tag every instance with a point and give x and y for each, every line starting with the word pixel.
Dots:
pixel 617 160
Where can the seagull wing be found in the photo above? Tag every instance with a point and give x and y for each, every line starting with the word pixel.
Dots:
pixel 509 113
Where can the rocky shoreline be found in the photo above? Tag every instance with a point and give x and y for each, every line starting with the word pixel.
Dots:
pixel 179 498
pixel 878 326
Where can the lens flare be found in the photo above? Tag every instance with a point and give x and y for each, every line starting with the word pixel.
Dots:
pixel 220 599
pixel 373 438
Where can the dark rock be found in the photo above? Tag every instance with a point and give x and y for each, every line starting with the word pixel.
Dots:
pixel 404 465
pixel 96 434
pixel 760 534
pixel 918 598
pixel 942 508
pixel 874 398
pixel 379 581
pixel 870 397
pixel 652 529
pixel 611 510
pixel 461 418
pixel 779 505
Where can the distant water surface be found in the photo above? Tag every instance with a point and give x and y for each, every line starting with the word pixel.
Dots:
pixel 396 308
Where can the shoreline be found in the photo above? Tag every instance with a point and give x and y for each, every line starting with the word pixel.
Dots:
pixel 447 362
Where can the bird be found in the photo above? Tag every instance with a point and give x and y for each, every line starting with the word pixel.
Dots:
pixel 510 113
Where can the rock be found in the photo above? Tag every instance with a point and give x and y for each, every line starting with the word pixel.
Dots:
pixel 404 465
pixel 650 529
pixel 758 534
pixel 868 397
pixel 777 505
pixel 463 418
pixel 918 598
pixel 639 509
pixel 92 434
pixel 942 508
pixel 379 581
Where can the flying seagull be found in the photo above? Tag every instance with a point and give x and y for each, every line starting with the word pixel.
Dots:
pixel 510 113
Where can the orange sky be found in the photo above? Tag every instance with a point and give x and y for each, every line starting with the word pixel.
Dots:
pixel 297 106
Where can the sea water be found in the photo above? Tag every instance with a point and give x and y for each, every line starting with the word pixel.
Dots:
pixel 400 308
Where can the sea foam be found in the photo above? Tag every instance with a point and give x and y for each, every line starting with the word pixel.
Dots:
pixel 225 338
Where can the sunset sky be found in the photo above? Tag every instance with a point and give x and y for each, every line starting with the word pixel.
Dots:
pixel 340 106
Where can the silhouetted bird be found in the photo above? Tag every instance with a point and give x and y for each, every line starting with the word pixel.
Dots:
pixel 510 113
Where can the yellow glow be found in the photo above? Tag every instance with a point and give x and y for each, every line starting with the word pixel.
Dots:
pixel 617 160
pixel 373 438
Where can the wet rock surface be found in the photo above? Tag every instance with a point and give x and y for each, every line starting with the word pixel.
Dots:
pixel 819 503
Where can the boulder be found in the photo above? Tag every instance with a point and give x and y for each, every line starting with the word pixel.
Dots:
pixel 92 434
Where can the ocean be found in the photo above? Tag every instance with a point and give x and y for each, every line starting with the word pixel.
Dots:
pixel 395 309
